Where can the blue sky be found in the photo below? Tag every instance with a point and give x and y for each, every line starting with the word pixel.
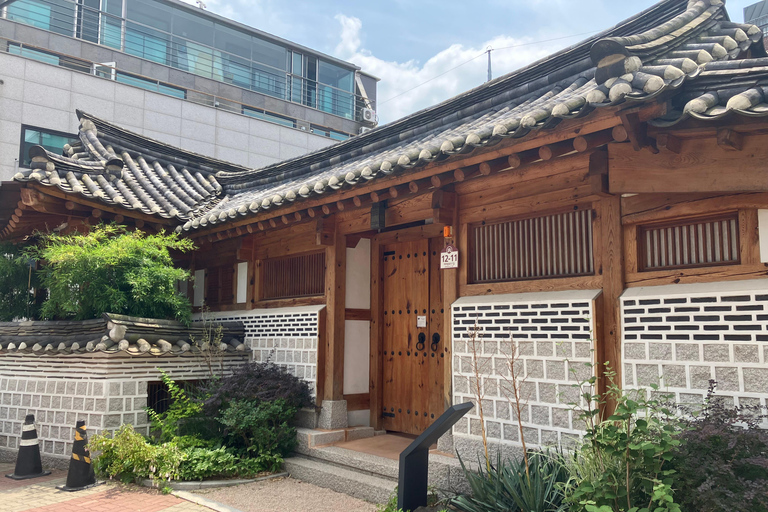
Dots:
pixel 406 43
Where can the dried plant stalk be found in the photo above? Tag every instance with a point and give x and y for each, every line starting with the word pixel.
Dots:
pixel 515 381
pixel 479 390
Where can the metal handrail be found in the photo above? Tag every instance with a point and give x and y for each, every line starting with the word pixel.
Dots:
pixel 80 65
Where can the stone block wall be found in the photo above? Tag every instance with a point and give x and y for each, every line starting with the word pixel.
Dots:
pixel 681 336
pixel 287 336
pixel 552 335
pixel 104 390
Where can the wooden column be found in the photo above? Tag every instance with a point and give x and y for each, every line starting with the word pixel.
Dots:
pixel 450 279
pixel 335 291
pixel 611 261
pixel 375 367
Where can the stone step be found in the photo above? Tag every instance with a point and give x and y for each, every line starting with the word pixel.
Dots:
pixel 340 479
pixel 358 461
pixel 312 438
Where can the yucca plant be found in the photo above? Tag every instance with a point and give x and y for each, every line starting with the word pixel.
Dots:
pixel 507 487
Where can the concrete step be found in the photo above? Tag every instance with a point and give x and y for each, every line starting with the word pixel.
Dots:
pixel 349 481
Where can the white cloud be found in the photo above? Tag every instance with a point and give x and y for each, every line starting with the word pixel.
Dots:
pixel 399 77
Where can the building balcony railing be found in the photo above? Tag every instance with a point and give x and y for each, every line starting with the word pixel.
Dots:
pixel 108 72
pixel 243 70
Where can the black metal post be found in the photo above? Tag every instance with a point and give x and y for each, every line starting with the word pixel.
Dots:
pixel 414 460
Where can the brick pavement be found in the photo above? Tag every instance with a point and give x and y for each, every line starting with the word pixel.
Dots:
pixel 41 495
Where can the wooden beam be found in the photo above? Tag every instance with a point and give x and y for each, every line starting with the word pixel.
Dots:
pixel 584 143
pixel 467 173
pixel 654 207
pixel 518 160
pixel 335 283
pixel 619 133
pixel 729 139
pixel 551 151
pixel 698 275
pixel 325 230
pixel 669 142
pixel 637 131
pixel 357 314
pixel 700 167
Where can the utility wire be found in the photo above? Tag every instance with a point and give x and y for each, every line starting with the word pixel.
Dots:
pixel 480 55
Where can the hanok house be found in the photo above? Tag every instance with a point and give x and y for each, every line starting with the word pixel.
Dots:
pixel 608 203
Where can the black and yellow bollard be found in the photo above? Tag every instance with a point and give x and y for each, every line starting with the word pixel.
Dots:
pixel 81 475
pixel 28 463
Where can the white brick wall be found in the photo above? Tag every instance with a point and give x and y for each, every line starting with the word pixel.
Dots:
pixel 289 336
pixel 690 334
pixel 552 331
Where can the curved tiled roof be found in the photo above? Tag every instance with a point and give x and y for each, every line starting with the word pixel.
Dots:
pixel 115 333
pixel 687 49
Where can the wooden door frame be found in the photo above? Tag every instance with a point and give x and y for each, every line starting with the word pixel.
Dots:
pixel 450 291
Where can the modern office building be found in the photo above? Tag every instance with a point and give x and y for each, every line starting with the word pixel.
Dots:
pixel 757 14
pixel 173 72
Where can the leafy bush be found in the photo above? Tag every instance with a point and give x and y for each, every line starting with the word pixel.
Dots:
pixel 181 408
pixel 624 463
pixel 16 281
pixel 202 463
pixel 129 457
pixel 722 460
pixel 110 270
pixel 509 486
pixel 262 429
pixel 262 382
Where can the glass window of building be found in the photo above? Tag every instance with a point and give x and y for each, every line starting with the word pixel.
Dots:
pixel 146 32
pixel 111 23
pixel 51 140
pixel 335 91
pixel 53 15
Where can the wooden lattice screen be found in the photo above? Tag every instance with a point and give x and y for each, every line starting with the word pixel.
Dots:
pixel 293 276
pixel 692 243
pixel 557 245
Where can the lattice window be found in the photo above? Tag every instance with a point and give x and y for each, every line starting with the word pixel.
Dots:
pixel 293 276
pixel 557 245
pixel 692 243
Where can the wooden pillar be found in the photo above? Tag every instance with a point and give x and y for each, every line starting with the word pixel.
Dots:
pixel 335 291
pixel 611 260
pixel 375 367
pixel 450 280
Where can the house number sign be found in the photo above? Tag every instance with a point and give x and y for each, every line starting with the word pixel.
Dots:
pixel 449 257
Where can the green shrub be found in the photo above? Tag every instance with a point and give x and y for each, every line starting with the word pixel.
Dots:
pixel 181 409
pixel 508 486
pixel 128 457
pixel 722 460
pixel 624 463
pixel 202 463
pixel 262 429
pixel 17 279
pixel 109 270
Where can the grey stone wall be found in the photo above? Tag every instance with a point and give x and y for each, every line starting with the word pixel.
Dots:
pixel 43 95
pixel 552 334
pixel 681 336
pixel 288 337
pixel 104 390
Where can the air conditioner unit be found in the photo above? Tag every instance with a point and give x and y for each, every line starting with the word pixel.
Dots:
pixel 364 129
pixel 369 115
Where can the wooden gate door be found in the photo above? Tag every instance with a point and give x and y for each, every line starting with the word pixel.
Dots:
pixel 413 351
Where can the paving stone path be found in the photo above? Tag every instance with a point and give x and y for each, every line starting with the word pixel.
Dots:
pixel 41 495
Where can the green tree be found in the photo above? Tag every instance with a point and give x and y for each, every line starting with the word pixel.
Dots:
pixel 17 283
pixel 109 270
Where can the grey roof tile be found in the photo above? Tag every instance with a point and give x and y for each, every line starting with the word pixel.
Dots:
pixel 680 46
